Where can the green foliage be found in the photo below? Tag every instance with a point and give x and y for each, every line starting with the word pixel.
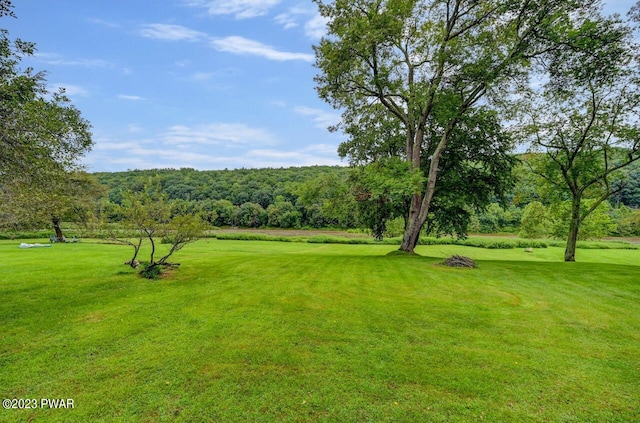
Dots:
pixel 633 222
pixel 485 242
pixel 627 221
pixel 473 178
pixel 42 137
pixel 226 213
pixel 283 214
pixel 25 234
pixel 584 120
pixel 476 242
pixel 42 134
pixel 535 223
pixel 147 215
pixel 252 215
pixel 493 219
pixel 319 194
pixel 395 227
pixel 322 196
pixel 629 187
pixel 325 200
pixel 324 239
pixel 606 245
pixel 595 225
pixel 382 190
pixel 151 271
pixel 409 77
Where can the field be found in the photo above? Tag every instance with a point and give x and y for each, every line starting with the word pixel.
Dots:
pixel 268 331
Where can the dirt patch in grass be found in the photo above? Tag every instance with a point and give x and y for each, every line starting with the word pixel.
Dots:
pixel 631 239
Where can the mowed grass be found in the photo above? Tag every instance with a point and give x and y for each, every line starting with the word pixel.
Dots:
pixel 266 331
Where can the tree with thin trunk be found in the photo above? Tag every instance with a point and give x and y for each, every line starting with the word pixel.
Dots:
pixel 586 120
pixel 66 197
pixel 146 217
pixel 428 64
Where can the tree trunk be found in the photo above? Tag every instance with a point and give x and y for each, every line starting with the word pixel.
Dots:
pixel 420 204
pixel 412 227
pixel 153 252
pixel 574 227
pixel 56 227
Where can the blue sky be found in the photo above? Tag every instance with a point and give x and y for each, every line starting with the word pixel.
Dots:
pixel 207 84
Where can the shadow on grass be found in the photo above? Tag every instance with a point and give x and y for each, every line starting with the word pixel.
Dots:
pixel 402 253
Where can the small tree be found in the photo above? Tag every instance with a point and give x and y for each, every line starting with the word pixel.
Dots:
pixel 147 218
pixel 596 224
pixel 535 223
pixel 180 231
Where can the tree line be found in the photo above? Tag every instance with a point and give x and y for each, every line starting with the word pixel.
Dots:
pixel 325 196
pixel 322 197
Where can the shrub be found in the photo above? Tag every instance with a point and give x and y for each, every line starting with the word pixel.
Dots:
pixel 25 234
pixel 534 221
pixel 151 271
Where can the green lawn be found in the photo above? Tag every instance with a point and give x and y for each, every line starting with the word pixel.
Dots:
pixel 267 331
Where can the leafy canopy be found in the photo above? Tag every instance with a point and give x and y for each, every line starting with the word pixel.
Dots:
pixel 42 134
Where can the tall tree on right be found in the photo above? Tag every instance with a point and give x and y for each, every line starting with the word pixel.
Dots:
pixel 585 119
pixel 428 65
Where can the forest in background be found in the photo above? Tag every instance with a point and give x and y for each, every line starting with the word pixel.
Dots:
pixel 326 197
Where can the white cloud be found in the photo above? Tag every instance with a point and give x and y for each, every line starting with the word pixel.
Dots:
pixel 228 134
pixel 241 9
pixel 70 90
pixel 324 149
pixel 261 158
pixel 316 27
pixel 287 20
pixel 231 44
pixel 210 146
pixel 104 144
pixel 130 97
pixel 59 60
pixel 320 117
pixel 241 45
pixel 138 158
pixel 103 22
pixel 172 33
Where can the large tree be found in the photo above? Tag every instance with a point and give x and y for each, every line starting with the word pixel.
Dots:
pixel 586 119
pixel 428 64
pixel 70 197
pixel 42 134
